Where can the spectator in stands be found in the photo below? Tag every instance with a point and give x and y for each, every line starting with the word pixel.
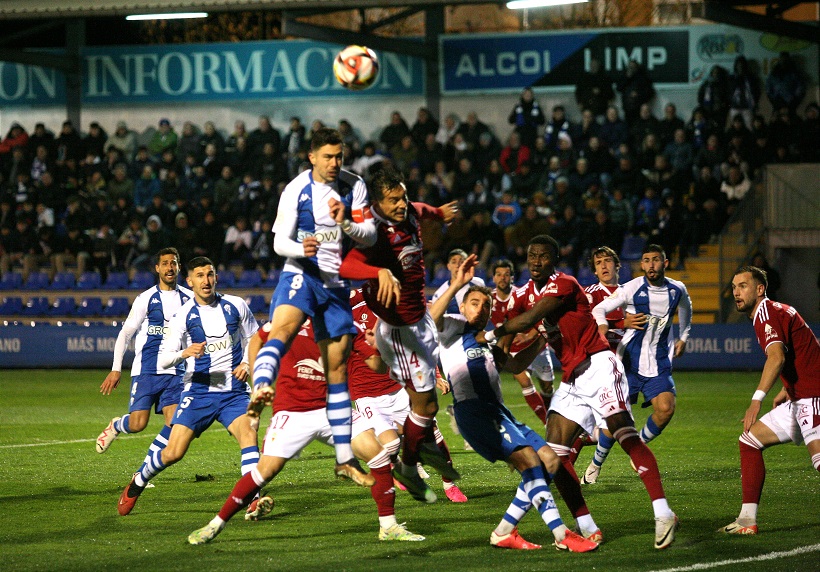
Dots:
pixel 644 125
pixel 14 166
pixel 693 231
pixel 487 150
pixel 514 154
pixel 636 89
pixel 713 96
pixel 164 138
pixel 660 175
pixel 429 153
pixel 16 137
pixel 464 180
pixel 239 132
pixel 647 151
pixel 479 199
pixel 666 231
pixel 188 143
pixel 593 91
pixel 783 128
pixel 238 243
pixel 103 243
pixel 699 128
pixel 362 165
pixel 113 157
pixel 210 238
pixel 773 276
pixel 548 177
pixel 517 236
pixel 669 124
pixel 507 212
pixel 404 154
pixel 132 245
pixel 601 231
pixel 485 238
pixel 734 187
pixel 580 177
pixel 569 231
pixel 350 137
pixel 614 131
pixel 395 132
pixel 226 192
pixel 270 164
pixel 41 136
pixel 810 134
pixel 210 136
pixel 158 238
pixel 262 252
pixel 706 186
pixel 447 130
pixel 144 188
pixel 627 178
pixel 646 212
pixel 40 164
pixel 621 217
pixel 744 91
pixel 167 162
pixel 425 124
pixel 524 182
pixel 527 118
pixel 472 130
pixel 456 151
pixel 212 161
pixel 123 140
pixel 264 133
pixel 563 196
pixel 681 157
pixel 75 249
pixel 761 153
pixel 496 180
pixel 711 156
pixel 160 208
pixel 69 145
pixel 19 246
pixel 785 86
pixel 238 156
pixel 585 130
pixel 558 124
pixel 142 158
pixel 100 210
pixel 94 142
pixel 593 199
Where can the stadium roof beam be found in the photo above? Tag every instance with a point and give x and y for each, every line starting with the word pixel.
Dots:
pixel 727 13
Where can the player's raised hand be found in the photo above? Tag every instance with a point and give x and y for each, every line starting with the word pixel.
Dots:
pixel 635 321
pixel 449 211
pixel 337 210
pixel 466 271
pixel 389 288
pixel 110 383
pixel 310 245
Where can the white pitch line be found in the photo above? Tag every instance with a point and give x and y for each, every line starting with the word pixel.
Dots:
pixel 45 443
pixel 761 558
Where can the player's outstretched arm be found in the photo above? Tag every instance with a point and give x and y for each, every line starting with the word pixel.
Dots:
pixel 522 360
pixel 462 276
pixel 522 322
pixel 110 383
pixel 362 231
pixel 775 359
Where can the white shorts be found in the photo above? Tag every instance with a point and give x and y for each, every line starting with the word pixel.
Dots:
pixel 411 352
pixel 385 411
pixel 600 390
pixel 795 421
pixel 541 366
pixel 291 431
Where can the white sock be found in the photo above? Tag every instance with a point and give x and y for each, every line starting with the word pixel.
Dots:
pixel 387 521
pixel 504 528
pixel 661 508
pixel 216 521
pixel 586 524
pixel 748 513
pixel 559 532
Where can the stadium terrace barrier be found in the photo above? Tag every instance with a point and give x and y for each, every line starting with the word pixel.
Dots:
pixel 710 347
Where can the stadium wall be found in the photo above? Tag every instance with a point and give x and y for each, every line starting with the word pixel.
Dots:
pixel 710 347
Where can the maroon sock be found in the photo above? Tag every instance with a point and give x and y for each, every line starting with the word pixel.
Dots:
pixel 242 494
pixel 752 473
pixel 567 483
pixel 414 435
pixel 644 460
pixel 536 403
pixel 383 492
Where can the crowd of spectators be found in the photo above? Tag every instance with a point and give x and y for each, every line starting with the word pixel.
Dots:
pixel 589 176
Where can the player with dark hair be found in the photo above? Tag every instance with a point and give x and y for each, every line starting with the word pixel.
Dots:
pixel 454 259
pixel 793 355
pixel 151 385
pixel 593 385
pixel 503 302
pixel 321 212
pixel 647 352
pixel 493 431
pixel 210 333
pixel 406 335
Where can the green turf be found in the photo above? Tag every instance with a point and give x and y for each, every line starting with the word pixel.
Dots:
pixel 58 498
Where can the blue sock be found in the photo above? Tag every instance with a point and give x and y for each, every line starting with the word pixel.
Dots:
pixel 605 444
pixel 518 507
pixel 250 458
pixel 338 415
pixel 266 367
pixel 650 430
pixel 149 470
pixel 534 484
pixel 121 425
pixel 159 443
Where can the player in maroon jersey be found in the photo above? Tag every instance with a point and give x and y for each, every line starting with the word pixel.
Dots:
pixel 406 335
pixel 378 397
pixel 793 355
pixel 299 418
pixel 606 264
pixel 504 302
pixel 593 385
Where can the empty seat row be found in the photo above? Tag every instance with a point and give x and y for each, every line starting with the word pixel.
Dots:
pixel 90 306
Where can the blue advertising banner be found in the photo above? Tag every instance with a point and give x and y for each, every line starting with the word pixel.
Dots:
pixel 710 347
pixel 206 72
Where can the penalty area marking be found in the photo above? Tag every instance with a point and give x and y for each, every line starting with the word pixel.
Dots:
pixel 45 443
pixel 761 558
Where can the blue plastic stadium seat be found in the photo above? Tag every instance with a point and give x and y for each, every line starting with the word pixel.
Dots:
pixel 89 281
pixel 440 276
pixel 36 306
pixel 63 306
pixel 227 279
pixel 36 281
pixel 273 279
pixel 523 277
pixel 257 304
pixel 63 281
pixel 11 306
pixel 586 277
pixel 633 245
pixel 116 281
pixel 90 306
pixel 11 281
pixel 116 306
pixel 142 281
pixel 625 274
pixel 249 279
pixel 565 270
pixel 481 273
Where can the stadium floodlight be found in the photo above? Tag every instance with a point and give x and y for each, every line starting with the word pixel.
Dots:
pixel 521 4
pixel 169 16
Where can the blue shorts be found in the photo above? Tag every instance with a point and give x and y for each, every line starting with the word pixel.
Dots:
pixel 493 431
pixel 651 387
pixel 198 410
pixel 329 307
pixel 149 389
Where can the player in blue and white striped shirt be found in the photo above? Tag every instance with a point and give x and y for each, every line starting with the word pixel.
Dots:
pixel 321 213
pixel 210 335
pixel 647 351
pixel 151 386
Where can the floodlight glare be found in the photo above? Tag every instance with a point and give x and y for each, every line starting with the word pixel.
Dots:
pixel 521 4
pixel 173 16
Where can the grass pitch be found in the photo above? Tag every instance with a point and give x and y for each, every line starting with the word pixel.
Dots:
pixel 58 497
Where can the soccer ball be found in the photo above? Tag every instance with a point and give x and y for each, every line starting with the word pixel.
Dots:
pixel 356 67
